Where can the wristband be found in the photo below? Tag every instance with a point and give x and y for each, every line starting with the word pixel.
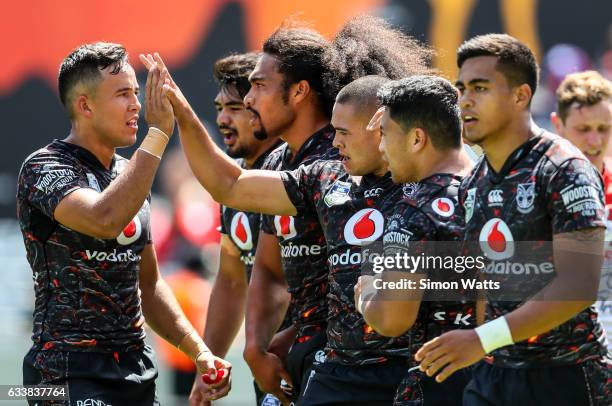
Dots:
pixel 155 142
pixel 494 334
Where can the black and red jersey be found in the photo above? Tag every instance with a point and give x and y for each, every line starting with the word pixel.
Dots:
pixel 301 239
pixel 350 211
pixel 427 212
pixel 243 227
pixel 545 187
pixel 86 288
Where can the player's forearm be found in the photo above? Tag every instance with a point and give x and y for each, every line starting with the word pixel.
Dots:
pixel 536 317
pixel 267 303
pixel 163 313
pixel 225 313
pixel 389 318
pixel 213 168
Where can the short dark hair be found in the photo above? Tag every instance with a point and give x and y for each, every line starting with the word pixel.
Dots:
pixel 299 52
pixel 362 92
pixel 84 64
pixel 583 88
pixel 514 59
pixel 427 102
pixel 234 70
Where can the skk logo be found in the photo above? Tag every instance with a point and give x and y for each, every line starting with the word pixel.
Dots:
pixel 525 195
pixel 131 232
pixel 240 231
pixel 443 206
pixel 92 402
pixel 364 227
pixel 468 205
pixel 338 194
pixel 372 193
pixel 285 226
pixel 495 198
pixel 496 240
pixel 459 318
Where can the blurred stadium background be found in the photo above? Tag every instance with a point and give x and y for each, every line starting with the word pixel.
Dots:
pixel 567 36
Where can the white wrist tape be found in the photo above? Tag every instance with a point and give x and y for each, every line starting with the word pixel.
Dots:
pixel 494 334
pixel 155 142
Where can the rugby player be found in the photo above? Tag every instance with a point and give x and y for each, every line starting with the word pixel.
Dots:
pixel 84 212
pixel 239 230
pixel 584 117
pixel 536 189
pixel 421 141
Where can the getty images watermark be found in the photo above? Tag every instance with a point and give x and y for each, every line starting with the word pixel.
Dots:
pixel 450 271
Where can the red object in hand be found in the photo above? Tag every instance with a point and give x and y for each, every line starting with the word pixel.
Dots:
pixel 209 381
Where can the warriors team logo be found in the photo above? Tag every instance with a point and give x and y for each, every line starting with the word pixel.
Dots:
pixel 469 204
pixel 364 227
pixel 131 232
pixel 338 194
pixel 443 206
pixel 240 231
pixel 496 240
pixel 525 195
pixel 285 226
pixel 410 190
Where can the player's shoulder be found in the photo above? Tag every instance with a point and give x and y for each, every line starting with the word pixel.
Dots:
pixel 51 155
pixel 558 151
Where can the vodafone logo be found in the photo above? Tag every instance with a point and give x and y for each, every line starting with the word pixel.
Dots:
pixel 131 232
pixel 285 226
pixel 496 240
pixel 364 227
pixel 240 231
pixel 443 206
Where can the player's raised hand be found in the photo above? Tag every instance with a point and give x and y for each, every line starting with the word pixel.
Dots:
pixel 172 91
pixel 158 110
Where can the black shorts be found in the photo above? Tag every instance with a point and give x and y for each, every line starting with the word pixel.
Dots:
pixel 417 389
pixel 122 378
pixel 585 384
pixel 301 358
pixel 332 383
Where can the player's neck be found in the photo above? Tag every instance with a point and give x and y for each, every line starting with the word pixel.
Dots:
pixel 264 146
pixel 453 161
pixel 92 143
pixel 499 146
pixel 303 127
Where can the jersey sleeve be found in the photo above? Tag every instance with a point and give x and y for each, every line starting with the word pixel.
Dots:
pixel 45 180
pixel 575 199
pixel 302 184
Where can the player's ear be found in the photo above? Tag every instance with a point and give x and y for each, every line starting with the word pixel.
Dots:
pixel 418 139
pixel 523 95
pixel 299 91
pixel 82 106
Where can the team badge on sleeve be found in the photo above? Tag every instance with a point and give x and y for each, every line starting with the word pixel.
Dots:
pixel 338 194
